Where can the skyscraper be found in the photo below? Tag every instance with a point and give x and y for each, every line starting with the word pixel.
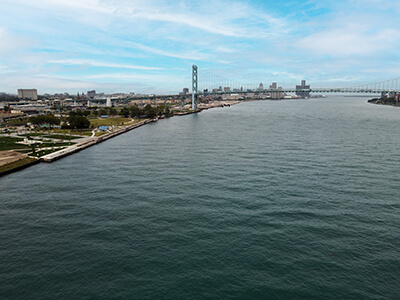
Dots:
pixel 300 90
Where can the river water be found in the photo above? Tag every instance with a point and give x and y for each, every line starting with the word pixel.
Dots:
pixel 261 200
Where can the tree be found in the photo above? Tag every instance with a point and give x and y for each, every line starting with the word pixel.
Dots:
pixel 112 111
pixel 160 109
pixel 167 111
pixel 149 111
pixel 102 111
pixel 78 122
pixel 135 111
pixel 124 112
pixel 46 119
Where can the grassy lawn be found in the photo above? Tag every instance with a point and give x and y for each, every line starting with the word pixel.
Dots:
pixel 44 152
pixel 76 132
pixel 109 121
pixel 32 134
pixel 58 133
pixel 24 150
pixel 50 144
pixel 100 133
pixel 8 143
pixel 59 136
pixel 62 136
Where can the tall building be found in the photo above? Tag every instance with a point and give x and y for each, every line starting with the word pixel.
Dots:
pixel 300 88
pixel 30 94
pixel 261 87
pixel 277 92
pixel 185 91
pixel 91 94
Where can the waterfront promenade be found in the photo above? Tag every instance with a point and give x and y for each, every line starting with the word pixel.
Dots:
pixel 95 140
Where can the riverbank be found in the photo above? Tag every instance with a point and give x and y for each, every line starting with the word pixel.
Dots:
pixel 387 101
pixel 18 165
pixel 25 161
pixel 96 140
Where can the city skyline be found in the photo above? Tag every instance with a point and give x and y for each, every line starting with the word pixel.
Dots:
pixel 138 46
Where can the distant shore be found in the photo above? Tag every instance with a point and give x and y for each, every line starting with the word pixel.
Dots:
pixel 386 101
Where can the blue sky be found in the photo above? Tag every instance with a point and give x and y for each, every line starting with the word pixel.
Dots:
pixel 149 45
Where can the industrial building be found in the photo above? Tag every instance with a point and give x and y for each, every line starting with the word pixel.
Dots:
pixel 28 94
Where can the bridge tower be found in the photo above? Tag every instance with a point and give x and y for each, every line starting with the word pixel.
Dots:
pixel 194 86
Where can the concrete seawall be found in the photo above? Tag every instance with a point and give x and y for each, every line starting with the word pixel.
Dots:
pixel 96 140
pixel 93 141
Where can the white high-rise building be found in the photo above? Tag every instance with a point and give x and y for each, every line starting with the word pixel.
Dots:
pixel 30 94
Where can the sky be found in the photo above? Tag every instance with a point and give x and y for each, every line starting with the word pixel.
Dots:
pixel 149 46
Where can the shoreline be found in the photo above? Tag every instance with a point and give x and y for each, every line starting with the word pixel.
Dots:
pixel 380 102
pixel 96 140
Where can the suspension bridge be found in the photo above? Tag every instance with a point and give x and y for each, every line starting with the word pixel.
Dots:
pixel 212 85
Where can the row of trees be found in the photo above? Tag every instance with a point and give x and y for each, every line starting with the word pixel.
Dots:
pixel 148 111
pixel 46 119
pixel 76 121
pixel 131 111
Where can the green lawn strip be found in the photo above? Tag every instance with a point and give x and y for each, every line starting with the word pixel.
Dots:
pixel 9 143
pixel 16 165
pixel 86 132
pixel 32 134
pixel 73 132
pixel 24 150
pixel 100 133
pixel 109 121
pixel 41 153
pixel 61 133
pixel 64 137
pixel 50 144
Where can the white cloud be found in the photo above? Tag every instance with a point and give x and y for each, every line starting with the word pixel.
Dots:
pixel 87 62
pixel 226 18
pixel 193 55
pixel 123 76
pixel 10 42
pixel 350 39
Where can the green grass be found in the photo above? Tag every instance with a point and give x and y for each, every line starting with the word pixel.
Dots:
pixel 16 164
pixel 9 143
pixel 100 133
pixel 24 150
pixel 109 121
pixel 83 132
pixel 44 152
pixel 63 136
pixel 50 144
pixel 64 133
pixel 17 122
pixel 32 134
